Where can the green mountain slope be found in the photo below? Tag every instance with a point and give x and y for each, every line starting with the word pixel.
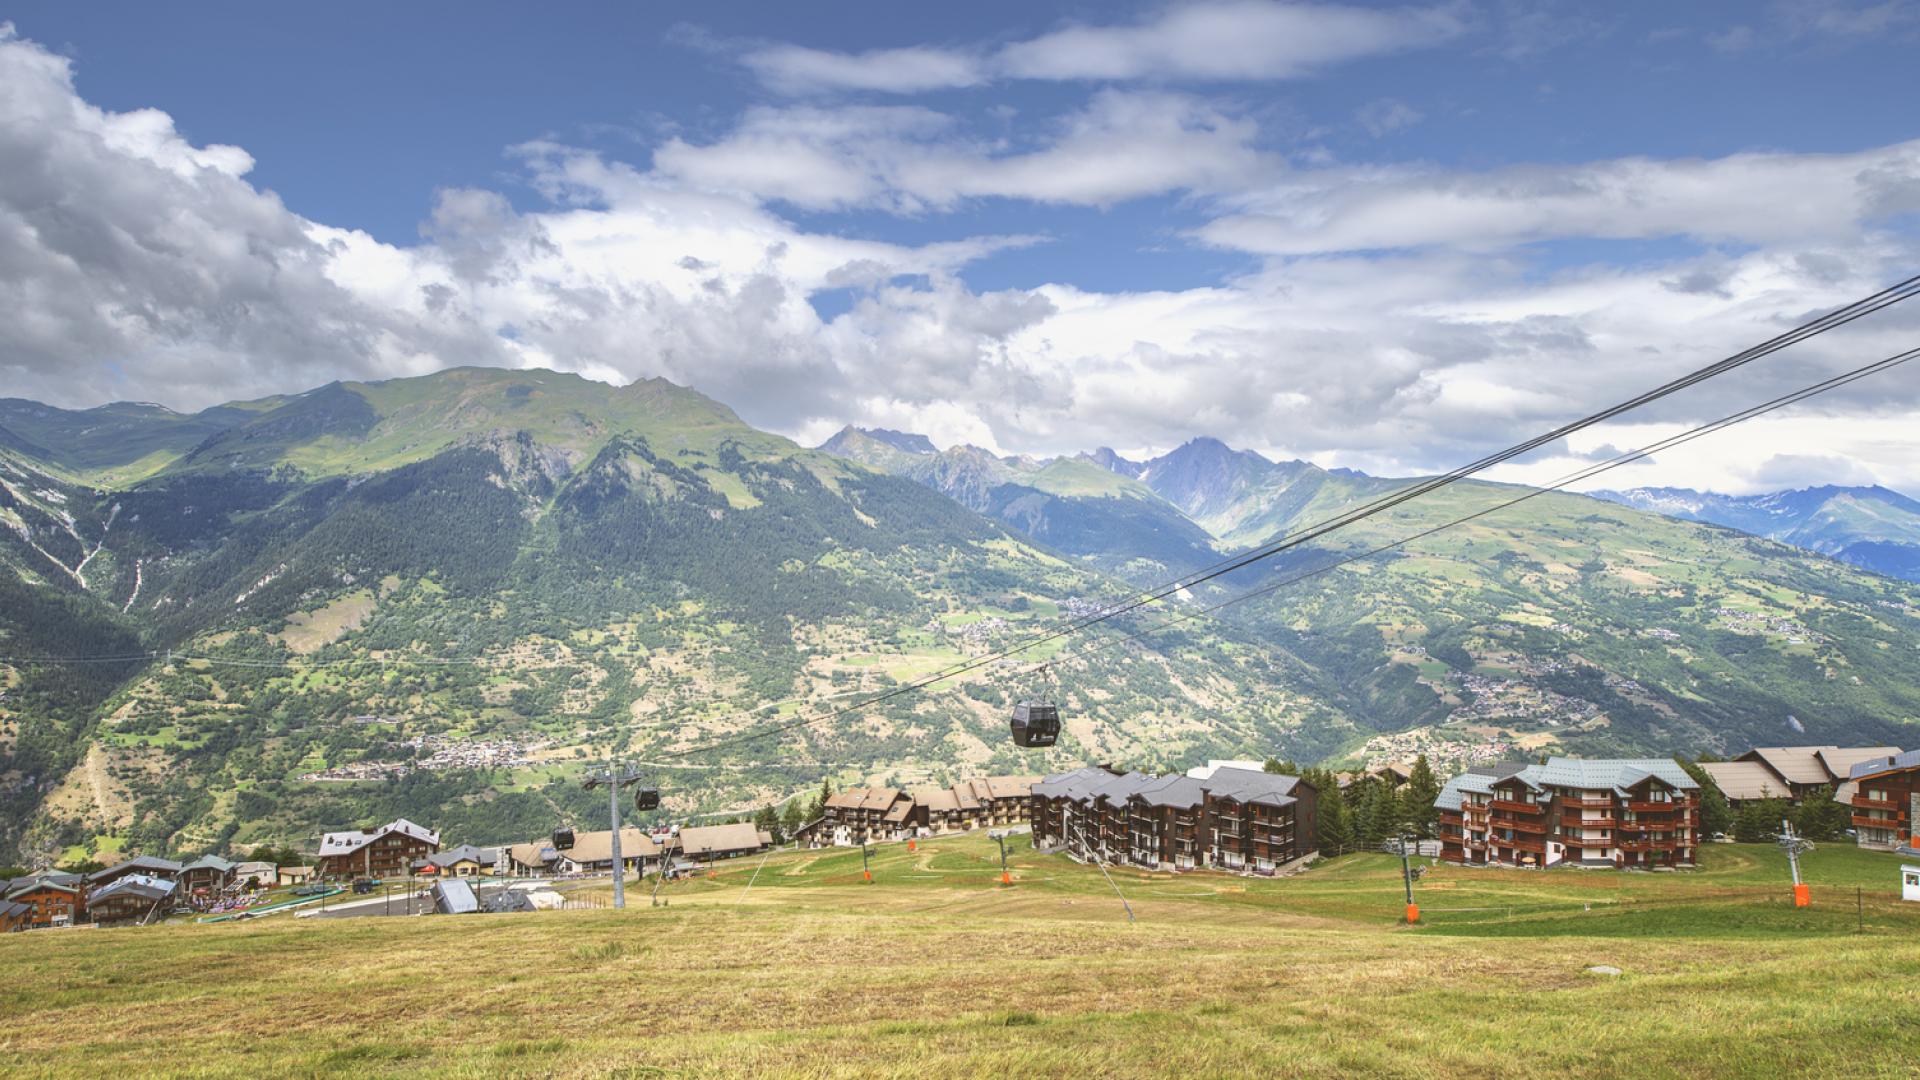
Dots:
pixel 1870 527
pixel 632 568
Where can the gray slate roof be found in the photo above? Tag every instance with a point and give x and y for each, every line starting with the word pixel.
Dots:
pixel 1588 774
pixel 1908 760
pixel 144 886
pixel 138 863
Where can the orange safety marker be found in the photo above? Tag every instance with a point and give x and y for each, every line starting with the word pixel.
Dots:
pixel 1413 913
pixel 1800 896
pixel 912 844
pixel 868 874
pixel 1006 878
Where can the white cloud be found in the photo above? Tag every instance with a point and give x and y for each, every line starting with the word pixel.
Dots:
pixel 1212 41
pixel 793 69
pixel 1754 198
pixel 1239 39
pixel 1122 145
pixel 138 265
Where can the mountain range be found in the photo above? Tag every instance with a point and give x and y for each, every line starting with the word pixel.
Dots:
pixel 438 597
pixel 1870 527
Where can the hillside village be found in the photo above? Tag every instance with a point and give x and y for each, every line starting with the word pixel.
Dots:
pixel 1233 817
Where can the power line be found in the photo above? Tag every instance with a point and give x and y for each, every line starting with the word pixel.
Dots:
pixel 1586 473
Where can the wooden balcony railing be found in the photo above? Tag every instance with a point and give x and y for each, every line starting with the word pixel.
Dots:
pixel 1537 847
pixel 1587 823
pixel 1520 825
pixel 1657 807
pixel 1510 806
pixel 1875 804
pixel 1595 803
pixel 1861 821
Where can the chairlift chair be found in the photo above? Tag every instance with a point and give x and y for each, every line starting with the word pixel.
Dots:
pixel 562 839
pixel 1035 724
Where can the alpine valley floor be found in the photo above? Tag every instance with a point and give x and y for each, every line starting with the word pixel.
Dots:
pixel 937 970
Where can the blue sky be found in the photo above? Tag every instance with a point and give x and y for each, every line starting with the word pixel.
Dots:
pixel 1366 234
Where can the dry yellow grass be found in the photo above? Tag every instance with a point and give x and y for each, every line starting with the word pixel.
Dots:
pixel 937 972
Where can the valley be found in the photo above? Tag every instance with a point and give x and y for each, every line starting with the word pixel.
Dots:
pixel 442 596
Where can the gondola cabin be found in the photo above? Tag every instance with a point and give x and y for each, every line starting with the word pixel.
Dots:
pixel 562 839
pixel 1035 724
pixel 646 799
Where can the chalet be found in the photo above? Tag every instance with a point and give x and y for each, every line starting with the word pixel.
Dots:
pixel 710 842
pixel 146 865
pixel 15 915
pixel 532 860
pixel 131 898
pixel 1635 813
pixel 1234 819
pixel 292 875
pixel 463 861
pixel 254 875
pixel 1885 797
pixel 1790 772
pixel 592 852
pixel 53 899
pixel 383 852
pixel 208 875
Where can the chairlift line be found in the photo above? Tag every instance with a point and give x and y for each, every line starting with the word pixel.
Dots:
pixel 1586 473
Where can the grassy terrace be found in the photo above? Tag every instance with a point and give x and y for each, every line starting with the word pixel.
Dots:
pixel 937 971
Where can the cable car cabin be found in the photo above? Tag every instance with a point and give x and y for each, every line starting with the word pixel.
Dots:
pixel 562 839
pixel 1035 724
pixel 646 799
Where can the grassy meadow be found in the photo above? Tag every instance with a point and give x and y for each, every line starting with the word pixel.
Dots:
pixel 936 970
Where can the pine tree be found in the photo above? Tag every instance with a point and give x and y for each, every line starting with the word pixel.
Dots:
pixel 1758 820
pixel 1376 818
pixel 1820 816
pixel 1422 788
pixel 1716 814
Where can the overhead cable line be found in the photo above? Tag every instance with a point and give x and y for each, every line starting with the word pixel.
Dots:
pixel 956 670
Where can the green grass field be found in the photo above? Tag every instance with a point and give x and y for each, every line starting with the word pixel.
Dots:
pixel 936 970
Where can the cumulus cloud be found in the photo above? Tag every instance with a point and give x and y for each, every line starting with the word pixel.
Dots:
pixel 1213 41
pixel 1121 145
pixel 136 264
pixel 1754 198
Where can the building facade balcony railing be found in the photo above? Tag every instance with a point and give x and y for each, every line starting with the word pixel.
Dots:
pixel 1588 823
pixel 1585 802
pixel 1875 804
pixel 1867 821
pixel 1537 847
pixel 1511 806
pixel 1649 845
pixel 1655 807
pixel 1525 826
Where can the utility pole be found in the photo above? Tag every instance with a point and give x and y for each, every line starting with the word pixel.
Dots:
pixel 1795 846
pixel 1001 839
pixel 1406 877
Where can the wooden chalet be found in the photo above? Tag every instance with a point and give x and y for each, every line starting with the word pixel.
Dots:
pixel 709 842
pixel 1638 813
pixel 51 899
pixel 387 851
pixel 132 898
pixel 147 865
pixel 209 875
pixel 15 915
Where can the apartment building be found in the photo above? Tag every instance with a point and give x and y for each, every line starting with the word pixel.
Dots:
pixel 387 851
pixel 1232 819
pixel 1790 772
pixel 1631 813
pixel 1885 796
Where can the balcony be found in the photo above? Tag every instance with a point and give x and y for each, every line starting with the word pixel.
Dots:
pixel 1865 803
pixel 1510 806
pixel 1537 847
pixel 1649 845
pixel 1519 825
pixel 1861 821
pixel 1582 842
pixel 1596 803
pixel 1657 807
